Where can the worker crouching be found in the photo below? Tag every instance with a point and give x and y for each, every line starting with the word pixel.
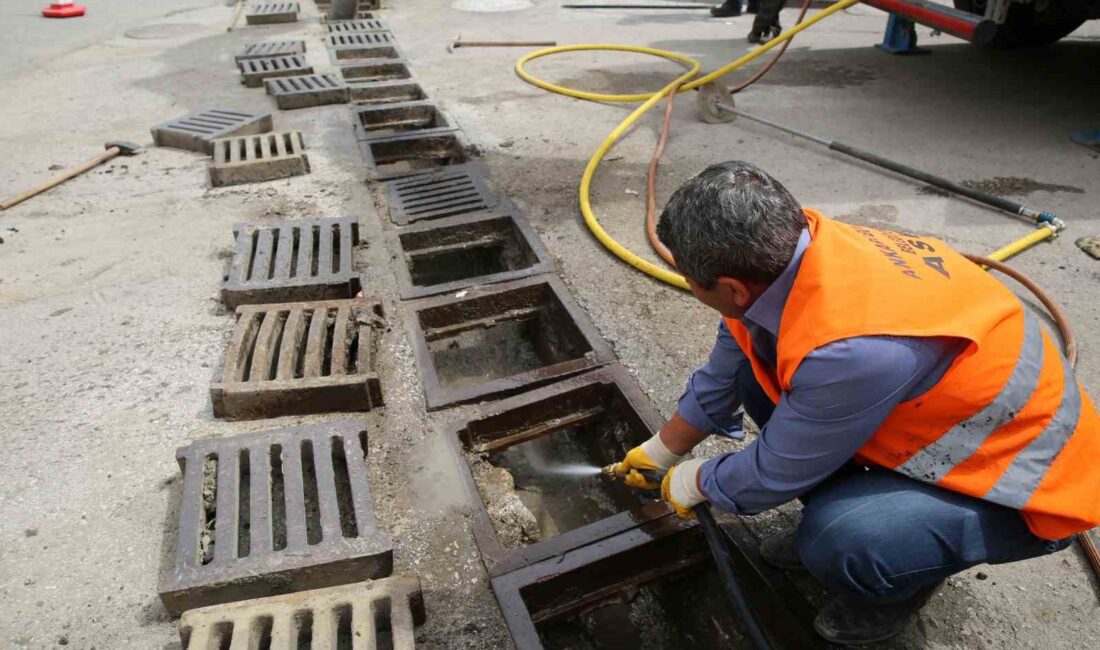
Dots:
pixel 925 419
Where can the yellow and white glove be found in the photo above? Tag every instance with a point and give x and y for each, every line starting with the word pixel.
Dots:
pixel 680 488
pixel 651 455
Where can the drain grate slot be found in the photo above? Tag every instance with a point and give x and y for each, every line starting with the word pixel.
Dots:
pixel 270 48
pixel 375 70
pixel 450 191
pixel 352 26
pixel 424 118
pixel 376 614
pixel 295 358
pixel 258 158
pixel 290 251
pixel 307 90
pixel 501 339
pixel 254 71
pixel 210 566
pixel 359 39
pixel 272 12
pixel 197 131
pixel 411 153
pixel 449 254
pixel 385 92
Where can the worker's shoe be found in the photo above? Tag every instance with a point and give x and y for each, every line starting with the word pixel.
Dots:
pixel 763 36
pixel 726 10
pixel 780 551
pixel 848 620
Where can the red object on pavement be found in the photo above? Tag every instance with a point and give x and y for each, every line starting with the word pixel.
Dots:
pixel 63 10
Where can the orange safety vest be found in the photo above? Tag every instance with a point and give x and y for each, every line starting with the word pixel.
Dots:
pixel 1007 423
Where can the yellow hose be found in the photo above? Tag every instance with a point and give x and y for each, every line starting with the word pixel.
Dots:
pixel 1043 233
pixel 649 100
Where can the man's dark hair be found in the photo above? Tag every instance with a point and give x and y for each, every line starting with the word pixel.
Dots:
pixel 731 220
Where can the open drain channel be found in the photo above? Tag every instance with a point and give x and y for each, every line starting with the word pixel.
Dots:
pixel 377 122
pixel 385 92
pixel 375 70
pixel 410 153
pixel 449 254
pixel 531 464
pixel 501 339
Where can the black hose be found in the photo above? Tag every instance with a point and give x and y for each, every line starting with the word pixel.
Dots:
pixel 716 540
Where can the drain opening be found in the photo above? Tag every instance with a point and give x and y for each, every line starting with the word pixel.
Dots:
pixel 278 499
pixel 252 251
pixel 255 320
pixel 209 509
pixel 328 341
pixel 382 610
pixel 315 258
pixel 465 251
pixel 244 505
pixel 309 487
pixel 222 635
pixel 335 248
pixel 479 340
pixel 412 154
pixel 344 501
pixel 541 480
pixel 274 253
pixel 259 635
pixel 302 343
pixel 344 637
pixel 303 629
pixel 296 239
pixel 277 345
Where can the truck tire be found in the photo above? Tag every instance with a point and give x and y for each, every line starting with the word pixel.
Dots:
pixel 1025 27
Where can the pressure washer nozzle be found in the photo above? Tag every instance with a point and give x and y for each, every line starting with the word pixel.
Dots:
pixel 613 471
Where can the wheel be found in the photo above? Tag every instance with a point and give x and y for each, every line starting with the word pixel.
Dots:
pixel 1024 27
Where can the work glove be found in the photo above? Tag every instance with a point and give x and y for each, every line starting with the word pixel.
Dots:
pixel 651 457
pixel 680 488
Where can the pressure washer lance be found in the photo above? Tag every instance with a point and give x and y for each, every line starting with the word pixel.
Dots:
pixel 716 541
pixel 713 102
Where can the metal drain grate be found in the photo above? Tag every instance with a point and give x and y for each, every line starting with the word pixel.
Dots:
pixel 307 90
pixel 270 48
pixel 197 131
pixel 351 26
pixel 359 39
pixel 274 512
pixel 254 71
pixel 272 12
pixel 375 70
pixel 388 120
pixel 456 190
pixel 370 615
pixel 408 154
pixel 258 158
pixel 385 92
pixel 308 259
pixel 300 357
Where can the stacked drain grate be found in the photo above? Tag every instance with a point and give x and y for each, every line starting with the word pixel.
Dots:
pixel 254 71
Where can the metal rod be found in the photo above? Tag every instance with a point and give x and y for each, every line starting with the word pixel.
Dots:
pixel 610 6
pixel 1036 215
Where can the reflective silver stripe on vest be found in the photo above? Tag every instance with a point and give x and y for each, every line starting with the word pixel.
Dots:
pixel 961 441
pixel 1018 483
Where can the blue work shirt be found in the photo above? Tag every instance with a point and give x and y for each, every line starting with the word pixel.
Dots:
pixel 840 394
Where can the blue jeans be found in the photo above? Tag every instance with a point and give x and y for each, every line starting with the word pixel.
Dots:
pixel 877 534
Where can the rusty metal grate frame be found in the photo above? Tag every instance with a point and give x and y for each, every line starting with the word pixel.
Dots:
pixel 358 25
pixel 197 131
pixel 263 49
pixel 443 192
pixel 364 615
pixel 304 540
pixel 270 248
pixel 255 71
pixel 258 158
pixel 465 231
pixel 581 578
pixel 304 91
pixel 499 302
pixel 270 13
pixel 370 70
pixel 374 93
pixel 275 363
pixel 542 412
pixel 342 55
pixel 411 153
